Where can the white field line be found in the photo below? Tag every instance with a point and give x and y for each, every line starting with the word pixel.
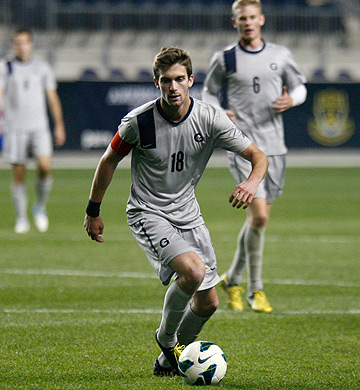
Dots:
pixel 159 311
pixel 139 275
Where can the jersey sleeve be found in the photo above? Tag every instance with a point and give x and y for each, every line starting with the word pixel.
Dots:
pixel 216 76
pixel 292 76
pixel 227 135
pixel 49 78
pixel 3 74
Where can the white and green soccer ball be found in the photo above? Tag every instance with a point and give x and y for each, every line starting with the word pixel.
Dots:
pixel 202 363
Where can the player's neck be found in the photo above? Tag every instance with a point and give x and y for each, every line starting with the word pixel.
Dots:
pixel 176 114
pixel 23 59
pixel 252 45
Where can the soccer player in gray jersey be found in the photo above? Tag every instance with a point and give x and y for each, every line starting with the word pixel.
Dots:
pixel 25 85
pixel 261 80
pixel 172 139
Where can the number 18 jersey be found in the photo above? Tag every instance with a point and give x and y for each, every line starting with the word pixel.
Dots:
pixel 169 158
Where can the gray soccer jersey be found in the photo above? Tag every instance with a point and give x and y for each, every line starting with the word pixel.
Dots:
pixel 24 87
pixel 253 81
pixel 169 158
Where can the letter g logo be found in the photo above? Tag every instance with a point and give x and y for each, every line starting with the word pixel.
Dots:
pixel 164 242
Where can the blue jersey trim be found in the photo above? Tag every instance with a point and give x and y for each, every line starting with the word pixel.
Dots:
pixel 146 126
pixel 250 51
pixel 230 60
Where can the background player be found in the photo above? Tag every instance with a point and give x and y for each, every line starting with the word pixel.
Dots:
pixel 25 84
pixel 262 80
pixel 172 139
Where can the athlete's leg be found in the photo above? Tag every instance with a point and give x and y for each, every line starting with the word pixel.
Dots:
pixel 202 307
pixel 20 200
pixel 258 216
pixel 43 187
pixel 191 271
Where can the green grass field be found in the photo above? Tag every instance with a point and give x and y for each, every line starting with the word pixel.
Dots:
pixel 75 314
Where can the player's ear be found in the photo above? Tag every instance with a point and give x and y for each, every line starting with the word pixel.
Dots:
pixel 262 20
pixel 191 81
pixel 234 23
pixel 156 82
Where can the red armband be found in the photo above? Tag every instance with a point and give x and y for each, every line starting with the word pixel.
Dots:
pixel 119 146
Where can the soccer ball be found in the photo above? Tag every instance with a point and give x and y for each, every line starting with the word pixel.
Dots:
pixel 202 363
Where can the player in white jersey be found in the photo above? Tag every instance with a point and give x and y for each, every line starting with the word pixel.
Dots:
pixel 172 139
pixel 261 80
pixel 26 85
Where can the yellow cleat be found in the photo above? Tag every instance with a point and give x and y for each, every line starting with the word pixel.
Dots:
pixel 233 293
pixel 259 302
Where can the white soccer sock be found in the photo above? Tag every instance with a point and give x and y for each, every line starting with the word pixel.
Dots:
pixel 43 188
pixel 19 196
pixel 190 327
pixel 189 330
pixel 254 239
pixel 175 303
pixel 238 264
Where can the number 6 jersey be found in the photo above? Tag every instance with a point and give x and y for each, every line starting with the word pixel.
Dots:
pixel 254 79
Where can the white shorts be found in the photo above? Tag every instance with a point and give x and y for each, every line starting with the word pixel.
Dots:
pixel 162 242
pixel 18 148
pixel 272 185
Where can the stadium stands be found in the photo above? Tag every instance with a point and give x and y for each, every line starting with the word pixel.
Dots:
pixel 104 35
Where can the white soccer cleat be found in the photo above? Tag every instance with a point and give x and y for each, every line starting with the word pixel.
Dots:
pixel 22 226
pixel 41 220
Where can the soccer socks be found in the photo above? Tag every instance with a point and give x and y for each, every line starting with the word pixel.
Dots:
pixel 43 188
pixel 175 303
pixel 20 200
pixel 190 327
pixel 188 331
pixel 254 240
pixel 239 261
pixel 249 251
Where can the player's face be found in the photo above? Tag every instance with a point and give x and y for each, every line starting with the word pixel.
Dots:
pixel 23 46
pixel 174 85
pixel 248 22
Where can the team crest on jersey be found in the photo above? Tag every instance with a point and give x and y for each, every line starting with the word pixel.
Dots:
pixel 273 66
pixel 198 137
pixel 331 124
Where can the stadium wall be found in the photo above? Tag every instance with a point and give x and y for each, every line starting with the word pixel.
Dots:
pixel 329 118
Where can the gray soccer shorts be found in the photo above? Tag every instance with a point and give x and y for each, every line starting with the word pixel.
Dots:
pixel 19 146
pixel 162 242
pixel 272 185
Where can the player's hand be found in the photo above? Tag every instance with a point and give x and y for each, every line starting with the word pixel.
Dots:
pixel 94 228
pixel 244 193
pixel 59 136
pixel 230 114
pixel 283 102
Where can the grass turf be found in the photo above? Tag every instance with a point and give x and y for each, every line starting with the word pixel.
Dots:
pixel 75 314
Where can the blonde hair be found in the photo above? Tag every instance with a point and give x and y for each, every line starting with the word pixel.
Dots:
pixel 170 56
pixel 242 3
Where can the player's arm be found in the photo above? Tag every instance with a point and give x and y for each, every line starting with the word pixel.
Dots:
pixel 57 115
pixel 114 153
pixel 245 191
pixel 2 90
pixel 289 99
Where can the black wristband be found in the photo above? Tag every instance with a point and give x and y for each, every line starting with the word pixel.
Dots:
pixel 93 209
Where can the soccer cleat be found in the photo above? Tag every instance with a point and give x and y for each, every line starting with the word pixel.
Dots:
pixel 22 226
pixel 172 354
pixel 41 219
pixel 159 370
pixel 259 302
pixel 233 293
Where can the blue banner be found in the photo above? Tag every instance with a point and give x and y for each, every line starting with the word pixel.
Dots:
pixel 92 111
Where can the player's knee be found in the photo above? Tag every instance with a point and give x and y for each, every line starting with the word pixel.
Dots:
pixel 259 221
pixel 194 275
